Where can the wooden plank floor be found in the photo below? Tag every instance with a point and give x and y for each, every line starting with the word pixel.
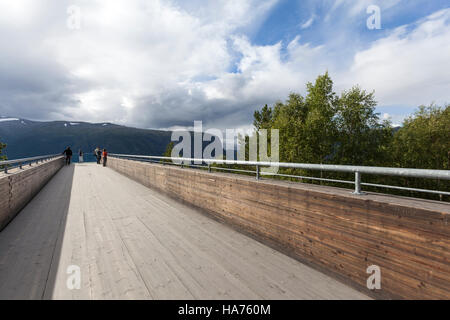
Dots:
pixel 131 242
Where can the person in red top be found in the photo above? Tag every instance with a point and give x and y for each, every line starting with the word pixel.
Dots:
pixel 105 157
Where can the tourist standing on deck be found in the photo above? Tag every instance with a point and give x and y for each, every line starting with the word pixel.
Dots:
pixel 68 154
pixel 80 156
pixel 98 154
pixel 105 157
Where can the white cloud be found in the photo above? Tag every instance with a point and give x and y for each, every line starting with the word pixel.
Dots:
pixel 162 63
pixel 308 23
pixel 355 7
pixel 407 67
pixel 18 13
pixel 135 56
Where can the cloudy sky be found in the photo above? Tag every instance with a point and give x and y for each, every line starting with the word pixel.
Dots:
pixel 161 64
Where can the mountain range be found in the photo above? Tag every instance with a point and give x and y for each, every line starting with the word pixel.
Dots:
pixel 26 138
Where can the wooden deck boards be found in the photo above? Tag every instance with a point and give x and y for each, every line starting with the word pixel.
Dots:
pixel 131 242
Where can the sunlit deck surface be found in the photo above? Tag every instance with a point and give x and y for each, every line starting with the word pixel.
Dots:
pixel 131 242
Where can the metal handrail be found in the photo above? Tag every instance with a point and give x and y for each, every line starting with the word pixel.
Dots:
pixel 357 170
pixel 23 161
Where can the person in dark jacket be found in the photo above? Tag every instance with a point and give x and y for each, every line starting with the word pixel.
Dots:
pixel 68 154
pixel 98 154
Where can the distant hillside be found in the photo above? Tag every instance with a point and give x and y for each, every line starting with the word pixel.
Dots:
pixel 25 138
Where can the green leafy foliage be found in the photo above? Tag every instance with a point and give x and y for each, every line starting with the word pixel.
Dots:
pixel 2 146
pixel 424 142
pixel 168 152
pixel 323 127
pixel 424 139
pixel 361 138
pixel 169 148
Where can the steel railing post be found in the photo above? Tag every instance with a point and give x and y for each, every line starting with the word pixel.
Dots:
pixel 209 167
pixel 257 172
pixel 357 183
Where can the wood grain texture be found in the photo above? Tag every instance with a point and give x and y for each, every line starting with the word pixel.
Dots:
pixel 329 228
pixel 132 242
pixel 19 186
